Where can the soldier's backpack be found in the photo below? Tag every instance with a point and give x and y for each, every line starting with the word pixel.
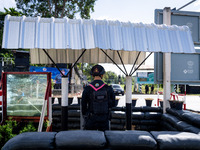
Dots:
pixel 99 97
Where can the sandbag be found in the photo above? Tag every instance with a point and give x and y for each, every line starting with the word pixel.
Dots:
pixel 147 127
pixel 117 109
pixel 74 113
pixel 170 119
pixel 173 140
pixel 118 115
pixel 153 115
pixel 31 141
pixel 136 121
pixel 181 125
pixel 80 139
pixel 151 109
pixel 150 122
pixel 175 112
pixel 167 126
pixel 192 129
pixel 130 140
pixel 117 126
pixel 137 115
pixel 117 121
pixel 136 109
pixel 192 118
pixel 56 113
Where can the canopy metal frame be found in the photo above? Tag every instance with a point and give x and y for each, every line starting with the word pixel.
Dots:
pixel 64 118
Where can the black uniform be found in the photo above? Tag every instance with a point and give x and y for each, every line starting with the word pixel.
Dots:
pixel 97 99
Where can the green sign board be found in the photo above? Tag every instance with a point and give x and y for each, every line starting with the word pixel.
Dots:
pixel 145 78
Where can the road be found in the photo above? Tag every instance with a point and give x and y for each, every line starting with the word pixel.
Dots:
pixel 192 102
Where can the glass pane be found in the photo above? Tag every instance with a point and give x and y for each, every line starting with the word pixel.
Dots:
pixel 25 94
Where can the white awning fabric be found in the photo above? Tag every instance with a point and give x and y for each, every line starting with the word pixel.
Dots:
pixel 65 35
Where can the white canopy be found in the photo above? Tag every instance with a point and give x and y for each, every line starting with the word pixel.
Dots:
pixel 66 35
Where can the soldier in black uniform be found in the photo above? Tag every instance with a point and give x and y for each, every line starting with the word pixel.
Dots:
pixel 97 99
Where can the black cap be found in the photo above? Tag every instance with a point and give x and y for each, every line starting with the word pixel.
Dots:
pixel 97 70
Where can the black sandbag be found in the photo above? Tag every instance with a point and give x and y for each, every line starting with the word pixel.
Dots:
pixel 192 129
pixel 74 119
pixel 74 113
pixel 118 115
pixel 136 121
pixel 130 140
pixel 153 115
pixel 56 119
pixel 56 126
pixel 151 109
pixel 150 122
pixel 56 107
pixel 136 109
pixel 181 125
pixel 117 126
pixel 117 121
pixel 118 109
pixel 175 112
pixel 31 141
pixel 73 125
pixel 74 107
pixel 192 118
pixel 173 140
pixel 170 119
pixel 149 128
pixel 56 113
pixel 80 139
pixel 137 115
pixel 167 126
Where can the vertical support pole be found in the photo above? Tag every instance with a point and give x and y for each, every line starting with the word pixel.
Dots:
pixel 184 104
pixel 81 116
pixel 166 64
pixel 64 104
pixel 128 102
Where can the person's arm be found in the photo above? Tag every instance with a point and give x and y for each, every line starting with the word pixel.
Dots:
pixel 112 96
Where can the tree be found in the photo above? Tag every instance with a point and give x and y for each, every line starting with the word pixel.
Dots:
pixel 56 8
pixel 110 77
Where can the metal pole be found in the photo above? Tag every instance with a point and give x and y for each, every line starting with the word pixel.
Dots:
pixel 166 64
pixel 186 5
pixel 113 61
pixel 128 102
pixel 134 63
pixel 64 104
pixel 122 62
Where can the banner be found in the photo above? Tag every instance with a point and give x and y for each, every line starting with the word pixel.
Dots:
pixel 54 71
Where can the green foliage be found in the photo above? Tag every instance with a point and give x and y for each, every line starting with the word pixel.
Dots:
pixel 11 128
pixel 110 77
pixel 6 131
pixel 28 128
pixel 59 8
pixel 86 71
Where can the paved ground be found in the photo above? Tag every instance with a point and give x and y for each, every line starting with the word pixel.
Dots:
pixel 192 102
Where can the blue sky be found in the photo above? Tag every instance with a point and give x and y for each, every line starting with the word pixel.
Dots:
pixel 128 10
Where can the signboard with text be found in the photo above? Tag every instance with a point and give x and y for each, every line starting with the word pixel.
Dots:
pixel 180 18
pixel 145 77
pixel 184 68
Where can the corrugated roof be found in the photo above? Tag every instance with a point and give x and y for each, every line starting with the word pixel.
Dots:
pixel 56 33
